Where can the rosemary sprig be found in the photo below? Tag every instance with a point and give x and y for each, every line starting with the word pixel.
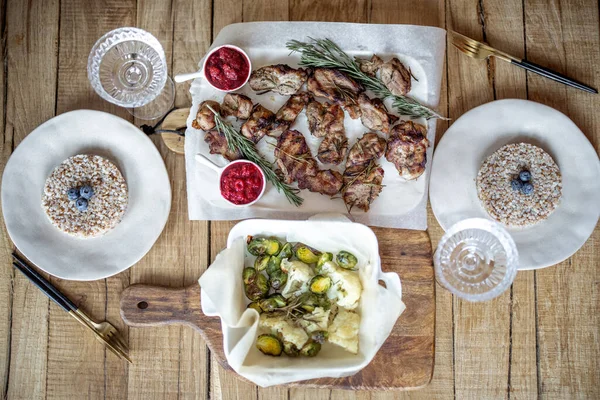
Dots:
pixel 236 141
pixel 324 53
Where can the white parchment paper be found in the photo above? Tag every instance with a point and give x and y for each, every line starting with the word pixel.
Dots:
pixel 223 296
pixel 401 204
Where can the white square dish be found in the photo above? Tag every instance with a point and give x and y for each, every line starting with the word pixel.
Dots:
pixel 401 204
pixel 223 295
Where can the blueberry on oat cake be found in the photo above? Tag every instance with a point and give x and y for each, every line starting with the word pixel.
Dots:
pixel 85 196
pixel 519 185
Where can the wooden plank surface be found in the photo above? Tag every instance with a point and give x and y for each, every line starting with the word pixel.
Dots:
pixel 30 51
pixel 540 340
pixel 567 297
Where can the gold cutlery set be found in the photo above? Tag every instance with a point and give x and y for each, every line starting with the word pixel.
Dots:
pixel 104 332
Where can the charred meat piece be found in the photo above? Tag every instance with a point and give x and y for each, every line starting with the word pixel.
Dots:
pixel 395 77
pixel 324 118
pixel 333 148
pixel 371 66
pixel 368 147
pixel 259 123
pixel 278 78
pixel 218 145
pixel 205 119
pixel 236 105
pixel 362 185
pixel 374 114
pixel 353 109
pixel 326 182
pixel 288 113
pixel 293 157
pixel 407 149
pixel 334 85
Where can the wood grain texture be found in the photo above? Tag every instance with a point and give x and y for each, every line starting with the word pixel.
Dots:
pixel 408 351
pixel 565 38
pixel 31 49
pixel 6 272
pixel 553 311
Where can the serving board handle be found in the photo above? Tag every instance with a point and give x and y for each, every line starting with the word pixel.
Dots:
pixel 145 305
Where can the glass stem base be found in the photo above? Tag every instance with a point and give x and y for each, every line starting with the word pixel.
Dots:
pixel 158 107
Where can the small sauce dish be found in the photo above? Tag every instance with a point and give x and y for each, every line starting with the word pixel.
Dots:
pixel 226 68
pixel 241 182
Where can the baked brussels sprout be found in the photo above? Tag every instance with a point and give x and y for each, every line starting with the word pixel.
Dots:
pixel 290 349
pixel 286 251
pixel 260 246
pixel 269 344
pixel 319 336
pixel 323 259
pixel 258 288
pixel 311 348
pixel 272 302
pixel 309 301
pixel 346 260
pixel 278 299
pixel 261 262
pixel 273 265
pixel 249 275
pixel 306 254
pixel 254 305
pixel 278 279
pixel 320 284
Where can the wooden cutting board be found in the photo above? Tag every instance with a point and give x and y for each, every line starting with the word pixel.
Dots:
pixel 405 360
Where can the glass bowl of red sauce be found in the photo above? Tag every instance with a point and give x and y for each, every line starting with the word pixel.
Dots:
pixel 227 68
pixel 242 183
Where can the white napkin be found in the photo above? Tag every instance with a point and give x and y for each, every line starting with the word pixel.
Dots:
pixel 401 204
pixel 223 295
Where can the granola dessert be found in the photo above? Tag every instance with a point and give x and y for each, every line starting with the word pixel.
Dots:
pixel 519 185
pixel 85 196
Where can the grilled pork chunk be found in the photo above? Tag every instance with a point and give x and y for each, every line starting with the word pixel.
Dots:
pixel 205 119
pixel 278 78
pixel 236 105
pixel 259 123
pixel 395 77
pixel 407 149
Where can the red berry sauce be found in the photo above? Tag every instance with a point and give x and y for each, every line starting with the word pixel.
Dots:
pixel 227 68
pixel 241 183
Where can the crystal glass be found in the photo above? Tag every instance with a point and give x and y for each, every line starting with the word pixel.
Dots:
pixel 127 67
pixel 476 259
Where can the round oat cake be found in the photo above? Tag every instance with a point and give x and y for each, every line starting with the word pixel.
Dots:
pixel 105 208
pixel 512 207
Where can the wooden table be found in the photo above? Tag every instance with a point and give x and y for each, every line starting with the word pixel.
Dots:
pixel 540 339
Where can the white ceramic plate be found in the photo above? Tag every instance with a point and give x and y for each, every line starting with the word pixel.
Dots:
pixel 483 130
pixel 93 132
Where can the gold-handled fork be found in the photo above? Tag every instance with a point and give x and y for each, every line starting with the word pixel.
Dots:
pixel 481 51
pixel 104 332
